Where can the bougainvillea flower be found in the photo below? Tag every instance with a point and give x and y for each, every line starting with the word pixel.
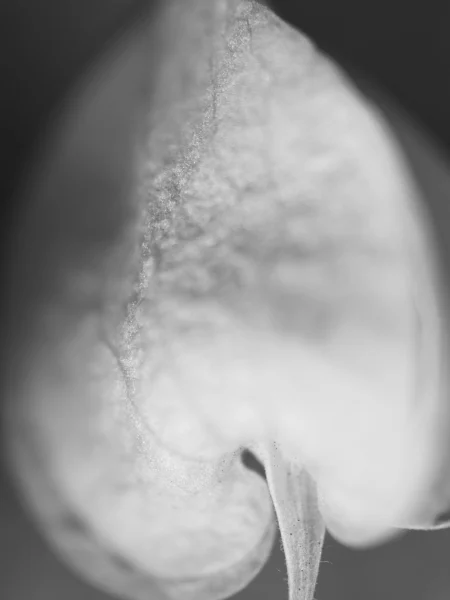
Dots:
pixel 266 279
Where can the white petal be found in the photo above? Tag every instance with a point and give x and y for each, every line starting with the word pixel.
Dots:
pixel 129 515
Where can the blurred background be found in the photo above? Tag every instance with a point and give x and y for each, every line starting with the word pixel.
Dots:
pixel 402 46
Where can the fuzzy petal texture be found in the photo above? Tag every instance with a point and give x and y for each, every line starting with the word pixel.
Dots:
pixel 296 279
